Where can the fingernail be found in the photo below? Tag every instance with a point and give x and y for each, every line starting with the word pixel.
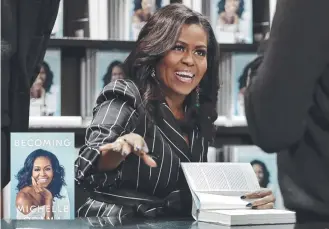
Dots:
pixel 145 149
pixel 249 205
pixel 137 148
pixel 243 197
pixel 253 207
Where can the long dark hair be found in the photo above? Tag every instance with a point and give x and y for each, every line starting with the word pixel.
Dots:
pixel 108 75
pixel 266 178
pixel 24 175
pixel 158 36
pixel 49 76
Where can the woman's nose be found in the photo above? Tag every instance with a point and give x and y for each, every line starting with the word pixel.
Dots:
pixel 188 59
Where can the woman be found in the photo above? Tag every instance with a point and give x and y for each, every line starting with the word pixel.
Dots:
pixel 230 11
pixel 43 93
pixel 40 187
pixel 262 173
pixel 114 72
pixel 144 127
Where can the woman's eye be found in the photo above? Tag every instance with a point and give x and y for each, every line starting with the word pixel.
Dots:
pixel 36 170
pixel 179 48
pixel 48 169
pixel 201 52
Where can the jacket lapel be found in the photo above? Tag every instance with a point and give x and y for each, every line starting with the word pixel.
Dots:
pixel 170 130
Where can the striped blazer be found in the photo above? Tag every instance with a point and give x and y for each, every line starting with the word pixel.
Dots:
pixel 134 188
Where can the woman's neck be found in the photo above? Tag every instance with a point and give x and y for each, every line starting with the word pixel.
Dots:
pixel 175 103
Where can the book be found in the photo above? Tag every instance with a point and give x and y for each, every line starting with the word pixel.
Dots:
pixel 42 176
pixel 264 165
pixel 45 93
pixel 139 12
pixel 57 31
pixel 216 195
pixel 238 78
pixel 232 21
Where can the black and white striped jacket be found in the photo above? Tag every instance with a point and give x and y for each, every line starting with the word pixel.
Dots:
pixel 134 188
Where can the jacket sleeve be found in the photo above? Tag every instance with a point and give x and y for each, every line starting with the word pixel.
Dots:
pixel 279 96
pixel 114 115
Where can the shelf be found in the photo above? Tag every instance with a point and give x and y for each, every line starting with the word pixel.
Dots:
pixel 76 43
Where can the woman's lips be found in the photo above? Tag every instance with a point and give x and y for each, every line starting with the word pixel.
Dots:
pixel 43 180
pixel 184 77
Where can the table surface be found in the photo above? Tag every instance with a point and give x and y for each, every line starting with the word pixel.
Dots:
pixel 106 222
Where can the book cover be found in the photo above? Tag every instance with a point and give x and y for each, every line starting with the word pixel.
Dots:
pixel 42 176
pixel 139 12
pixel 239 62
pixel 265 168
pixel 232 21
pixel 45 93
pixel 108 68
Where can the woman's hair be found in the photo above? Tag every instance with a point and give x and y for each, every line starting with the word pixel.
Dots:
pixel 49 76
pixel 24 175
pixel 221 7
pixel 108 75
pixel 157 37
pixel 266 178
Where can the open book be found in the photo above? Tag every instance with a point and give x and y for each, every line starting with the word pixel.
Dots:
pixel 217 189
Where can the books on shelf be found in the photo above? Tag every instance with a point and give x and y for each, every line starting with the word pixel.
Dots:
pixel 217 189
pixel 45 93
pixel 42 176
pixel 232 21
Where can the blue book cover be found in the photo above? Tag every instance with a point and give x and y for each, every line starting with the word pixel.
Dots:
pixel 108 68
pixel 57 31
pixel 232 21
pixel 239 62
pixel 42 176
pixel 140 12
pixel 265 167
pixel 45 93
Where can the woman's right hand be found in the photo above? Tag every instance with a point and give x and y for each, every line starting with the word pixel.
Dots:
pixel 130 143
pixel 44 192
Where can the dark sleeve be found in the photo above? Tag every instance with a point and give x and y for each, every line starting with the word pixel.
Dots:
pixel 279 97
pixel 114 115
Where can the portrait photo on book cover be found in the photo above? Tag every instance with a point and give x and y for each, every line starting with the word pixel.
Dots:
pixel 42 176
pixel 264 166
pixel 141 11
pixel 232 20
pixel 108 68
pixel 45 94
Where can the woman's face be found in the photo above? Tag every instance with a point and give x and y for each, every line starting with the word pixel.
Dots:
pixel 183 67
pixel 259 172
pixel 231 6
pixel 42 74
pixel 117 73
pixel 42 171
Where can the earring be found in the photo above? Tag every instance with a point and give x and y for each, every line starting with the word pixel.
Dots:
pixel 153 73
pixel 197 98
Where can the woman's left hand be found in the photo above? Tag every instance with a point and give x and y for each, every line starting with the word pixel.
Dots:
pixel 265 200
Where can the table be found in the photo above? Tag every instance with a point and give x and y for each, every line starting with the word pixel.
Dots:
pixel 162 223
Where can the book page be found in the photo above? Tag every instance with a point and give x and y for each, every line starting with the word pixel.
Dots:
pixel 221 178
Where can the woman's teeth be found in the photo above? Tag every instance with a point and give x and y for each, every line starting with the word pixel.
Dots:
pixel 185 77
pixel 43 180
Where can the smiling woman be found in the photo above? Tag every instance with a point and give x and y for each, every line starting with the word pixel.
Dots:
pixel 40 183
pixel 146 125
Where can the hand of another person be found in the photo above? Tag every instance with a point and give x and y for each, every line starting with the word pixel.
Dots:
pixel 265 199
pixel 130 143
pixel 44 192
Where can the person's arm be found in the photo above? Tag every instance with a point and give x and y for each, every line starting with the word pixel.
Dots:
pixel 279 96
pixel 24 203
pixel 114 116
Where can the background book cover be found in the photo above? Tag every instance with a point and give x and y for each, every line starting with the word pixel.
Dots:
pixel 140 12
pixel 108 68
pixel 232 21
pixel 264 165
pixel 239 62
pixel 57 31
pixel 45 93
pixel 42 168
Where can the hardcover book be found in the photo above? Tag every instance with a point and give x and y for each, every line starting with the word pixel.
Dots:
pixel 42 176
